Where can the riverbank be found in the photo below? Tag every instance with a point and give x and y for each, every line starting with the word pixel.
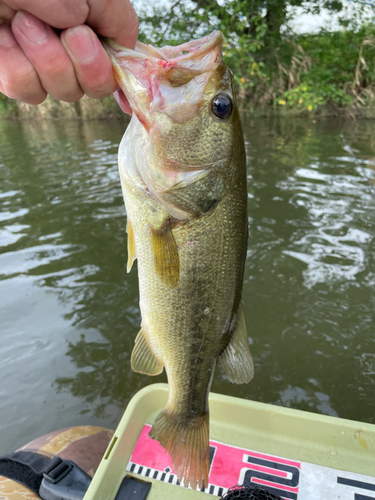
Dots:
pixel 53 109
pixel 107 109
pixel 330 74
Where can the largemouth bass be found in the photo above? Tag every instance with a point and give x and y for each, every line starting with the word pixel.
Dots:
pixel 183 174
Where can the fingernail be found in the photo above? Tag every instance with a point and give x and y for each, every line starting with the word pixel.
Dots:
pixel 80 43
pixel 31 27
pixel 7 40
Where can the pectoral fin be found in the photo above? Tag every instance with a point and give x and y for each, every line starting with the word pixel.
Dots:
pixel 166 259
pixel 143 360
pixel 236 359
pixel 131 246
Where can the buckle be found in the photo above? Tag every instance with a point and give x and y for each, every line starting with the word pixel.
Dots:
pixel 64 481
pixel 58 470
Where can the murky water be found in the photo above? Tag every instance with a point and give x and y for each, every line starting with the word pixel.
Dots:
pixel 69 312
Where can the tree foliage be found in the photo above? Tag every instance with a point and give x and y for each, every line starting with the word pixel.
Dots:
pixel 271 64
pixel 235 17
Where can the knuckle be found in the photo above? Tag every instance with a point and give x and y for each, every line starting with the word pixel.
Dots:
pixel 68 13
pixel 99 87
pixel 133 30
pixel 81 7
pixel 136 23
pixel 56 69
pixel 22 84
pixel 20 76
pixel 60 82
pixel 79 11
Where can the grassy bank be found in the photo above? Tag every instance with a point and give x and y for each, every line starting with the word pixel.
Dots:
pixel 327 74
pixel 85 109
pixel 331 73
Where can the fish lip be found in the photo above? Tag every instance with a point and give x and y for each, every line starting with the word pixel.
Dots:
pixel 193 48
pixel 112 47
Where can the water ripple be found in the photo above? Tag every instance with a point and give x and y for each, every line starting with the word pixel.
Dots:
pixel 70 312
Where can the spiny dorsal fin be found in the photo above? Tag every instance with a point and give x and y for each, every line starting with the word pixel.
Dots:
pixel 236 359
pixel 166 259
pixel 143 360
pixel 131 246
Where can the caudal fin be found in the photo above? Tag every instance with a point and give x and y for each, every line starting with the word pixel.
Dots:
pixel 187 443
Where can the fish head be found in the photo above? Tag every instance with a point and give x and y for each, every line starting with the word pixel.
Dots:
pixel 183 98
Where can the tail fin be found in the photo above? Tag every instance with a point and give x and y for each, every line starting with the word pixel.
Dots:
pixel 187 443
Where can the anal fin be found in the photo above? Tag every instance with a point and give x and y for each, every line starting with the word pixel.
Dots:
pixel 131 246
pixel 165 251
pixel 143 360
pixel 236 359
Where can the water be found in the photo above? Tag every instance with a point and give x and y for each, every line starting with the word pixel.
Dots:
pixel 69 312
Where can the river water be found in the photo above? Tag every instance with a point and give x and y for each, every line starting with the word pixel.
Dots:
pixel 69 312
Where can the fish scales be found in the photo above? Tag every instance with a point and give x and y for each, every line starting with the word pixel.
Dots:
pixel 183 174
pixel 203 303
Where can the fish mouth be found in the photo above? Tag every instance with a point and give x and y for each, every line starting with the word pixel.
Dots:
pixel 195 49
pixel 169 80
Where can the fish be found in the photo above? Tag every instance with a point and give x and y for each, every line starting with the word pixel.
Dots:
pixel 182 167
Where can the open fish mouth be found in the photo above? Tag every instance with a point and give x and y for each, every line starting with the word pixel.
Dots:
pixel 195 50
pixel 170 80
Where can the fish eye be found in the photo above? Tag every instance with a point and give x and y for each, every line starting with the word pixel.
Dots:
pixel 222 106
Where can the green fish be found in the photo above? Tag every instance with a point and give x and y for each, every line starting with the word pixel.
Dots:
pixel 183 173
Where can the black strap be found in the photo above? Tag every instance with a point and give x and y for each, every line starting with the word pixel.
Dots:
pixel 132 488
pixel 28 468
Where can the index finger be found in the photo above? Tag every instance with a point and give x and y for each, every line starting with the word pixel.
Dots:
pixel 57 13
pixel 110 18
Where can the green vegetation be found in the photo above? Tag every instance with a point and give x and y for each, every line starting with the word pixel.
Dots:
pixel 339 71
pixel 273 66
pixel 8 107
pixel 332 72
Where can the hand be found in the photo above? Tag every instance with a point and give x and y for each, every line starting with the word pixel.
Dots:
pixel 36 61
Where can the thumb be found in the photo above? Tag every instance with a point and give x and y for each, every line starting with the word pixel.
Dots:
pixel 115 19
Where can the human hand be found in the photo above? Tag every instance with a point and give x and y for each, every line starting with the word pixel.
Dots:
pixel 36 61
